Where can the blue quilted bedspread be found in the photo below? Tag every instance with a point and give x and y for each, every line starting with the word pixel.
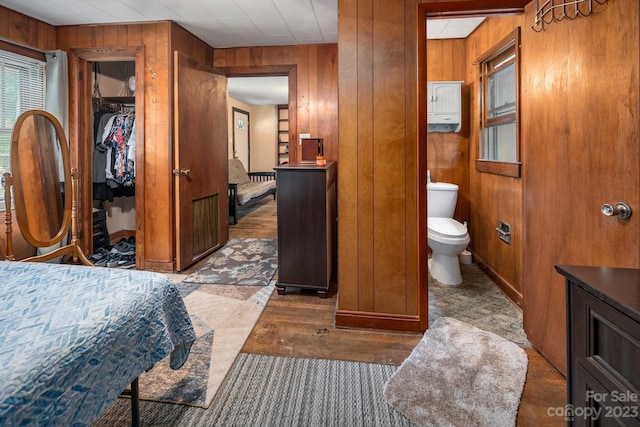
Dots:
pixel 72 338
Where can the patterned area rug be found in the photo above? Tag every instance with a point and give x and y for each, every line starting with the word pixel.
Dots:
pixel 459 375
pixel 223 317
pixel 242 261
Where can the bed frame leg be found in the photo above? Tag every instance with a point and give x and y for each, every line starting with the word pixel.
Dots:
pixel 135 404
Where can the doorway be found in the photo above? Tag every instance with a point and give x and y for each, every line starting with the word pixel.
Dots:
pixel 113 157
pixel 261 96
pixel 83 62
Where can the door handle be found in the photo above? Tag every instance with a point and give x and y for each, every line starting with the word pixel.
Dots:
pixel 182 172
pixel 620 209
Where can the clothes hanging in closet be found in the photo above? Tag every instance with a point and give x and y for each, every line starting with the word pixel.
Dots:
pixel 114 155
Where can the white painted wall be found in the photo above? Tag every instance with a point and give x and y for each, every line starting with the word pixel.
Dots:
pixel 262 136
pixel 121 214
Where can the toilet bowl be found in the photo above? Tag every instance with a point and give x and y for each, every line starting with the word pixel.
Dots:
pixel 447 238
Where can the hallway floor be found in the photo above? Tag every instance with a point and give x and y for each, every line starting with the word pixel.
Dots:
pixel 302 325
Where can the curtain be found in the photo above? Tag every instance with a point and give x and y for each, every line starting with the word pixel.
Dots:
pixel 56 102
pixel 57 89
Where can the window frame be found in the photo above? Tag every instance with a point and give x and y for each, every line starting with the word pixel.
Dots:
pixel 496 52
pixel 28 53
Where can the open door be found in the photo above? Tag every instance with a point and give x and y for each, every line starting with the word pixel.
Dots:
pixel 200 153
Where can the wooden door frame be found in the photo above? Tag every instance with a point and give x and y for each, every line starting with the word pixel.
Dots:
pixel 290 71
pixel 233 134
pixel 81 129
pixel 449 9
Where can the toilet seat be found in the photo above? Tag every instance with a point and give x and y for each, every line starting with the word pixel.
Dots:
pixel 447 228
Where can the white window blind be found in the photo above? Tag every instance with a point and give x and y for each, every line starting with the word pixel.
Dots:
pixel 22 88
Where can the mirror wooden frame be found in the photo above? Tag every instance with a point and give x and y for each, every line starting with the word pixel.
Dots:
pixel 69 218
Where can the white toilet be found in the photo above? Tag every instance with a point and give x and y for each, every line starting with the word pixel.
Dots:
pixel 447 237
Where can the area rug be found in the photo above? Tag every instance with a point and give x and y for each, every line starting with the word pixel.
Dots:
pixel 459 375
pixel 242 261
pixel 281 391
pixel 223 317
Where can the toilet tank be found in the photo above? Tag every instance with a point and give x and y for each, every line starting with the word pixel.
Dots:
pixel 441 199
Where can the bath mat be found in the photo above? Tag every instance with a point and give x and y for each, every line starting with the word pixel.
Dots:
pixel 459 375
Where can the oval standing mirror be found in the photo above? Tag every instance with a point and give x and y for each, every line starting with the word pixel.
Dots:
pixel 41 178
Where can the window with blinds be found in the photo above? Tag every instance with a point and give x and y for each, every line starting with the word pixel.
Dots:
pixel 22 88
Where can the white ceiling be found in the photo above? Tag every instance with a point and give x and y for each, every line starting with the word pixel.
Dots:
pixel 226 23
pixel 220 23
pixel 458 28
pixel 260 90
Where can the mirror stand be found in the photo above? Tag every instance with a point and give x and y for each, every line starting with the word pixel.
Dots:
pixel 72 248
pixel 7 181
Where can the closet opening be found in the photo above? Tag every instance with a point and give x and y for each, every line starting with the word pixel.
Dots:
pixel 113 163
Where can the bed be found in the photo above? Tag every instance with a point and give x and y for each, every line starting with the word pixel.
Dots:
pixel 72 338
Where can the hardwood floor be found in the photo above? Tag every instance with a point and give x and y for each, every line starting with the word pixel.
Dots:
pixel 302 325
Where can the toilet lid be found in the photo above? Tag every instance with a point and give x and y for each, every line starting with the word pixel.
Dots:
pixel 446 227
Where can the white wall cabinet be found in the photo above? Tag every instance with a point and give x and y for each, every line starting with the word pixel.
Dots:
pixel 444 106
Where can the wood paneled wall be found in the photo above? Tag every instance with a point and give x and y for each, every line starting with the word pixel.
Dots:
pixel 493 197
pixel 316 100
pixel 154 181
pixel 448 153
pixel 26 30
pixel 378 272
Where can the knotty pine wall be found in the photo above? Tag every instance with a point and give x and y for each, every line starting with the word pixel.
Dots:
pixel 493 197
pixel 155 225
pixel 378 226
pixel 316 100
pixel 27 31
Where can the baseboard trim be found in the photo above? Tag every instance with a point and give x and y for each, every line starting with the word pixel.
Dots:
pixel 158 266
pixel 505 286
pixel 115 237
pixel 380 321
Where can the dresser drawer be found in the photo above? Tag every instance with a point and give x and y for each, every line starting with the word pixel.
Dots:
pixel 609 347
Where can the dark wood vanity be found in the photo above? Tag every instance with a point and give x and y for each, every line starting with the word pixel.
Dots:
pixel 603 345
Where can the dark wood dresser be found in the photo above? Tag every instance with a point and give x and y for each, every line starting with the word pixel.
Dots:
pixel 603 345
pixel 306 226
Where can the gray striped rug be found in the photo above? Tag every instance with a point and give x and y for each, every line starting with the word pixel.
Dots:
pixel 280 391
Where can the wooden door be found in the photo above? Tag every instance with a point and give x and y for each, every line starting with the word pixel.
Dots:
pixel 580 107
pixel 200 168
